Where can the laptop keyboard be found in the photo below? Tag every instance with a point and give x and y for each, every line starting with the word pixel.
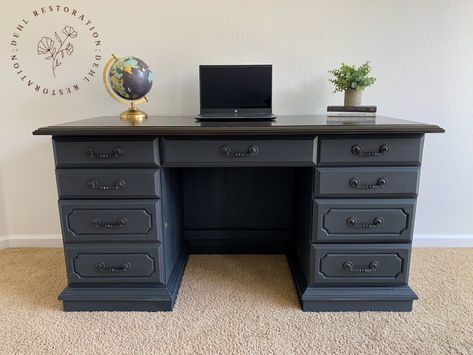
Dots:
pixel 254 115
pixel 240 115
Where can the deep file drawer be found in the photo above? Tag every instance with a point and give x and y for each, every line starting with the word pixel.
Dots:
pixel 371 150
pixel 112 220
pixel 234 152
pixel 90 152
pixel 114 263
pixel 359 264
pixel 364 220
pixel 364 182
pixel 108 183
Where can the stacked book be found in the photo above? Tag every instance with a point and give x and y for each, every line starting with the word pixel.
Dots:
pixel 351 111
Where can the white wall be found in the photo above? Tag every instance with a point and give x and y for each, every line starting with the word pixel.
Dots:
pixel 4 240
pixel 3 226
pixel 422 52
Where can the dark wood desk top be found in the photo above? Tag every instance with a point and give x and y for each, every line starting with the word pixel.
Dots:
pixel 283 125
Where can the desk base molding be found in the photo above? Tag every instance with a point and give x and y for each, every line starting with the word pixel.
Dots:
pixel 332 299
pixel 356 306
pixel 116 299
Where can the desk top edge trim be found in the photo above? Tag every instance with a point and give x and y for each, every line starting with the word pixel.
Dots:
pixel 229 131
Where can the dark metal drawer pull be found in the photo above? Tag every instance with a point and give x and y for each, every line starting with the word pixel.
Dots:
pixel 377 222
pixel 355 183
pixel 357 150
pixel 348 266
pixel 251 151
pixel 117 185
pixel 100 266
pixel 116 152
pixel 97 223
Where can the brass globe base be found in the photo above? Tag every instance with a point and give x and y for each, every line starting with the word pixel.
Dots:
pixel 133 115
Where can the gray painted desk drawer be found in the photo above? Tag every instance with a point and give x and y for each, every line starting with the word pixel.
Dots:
pixel 364 182
pixel 371 151
pixel 88 152
pixel 115 263
pixel 365 220
pixel 234 152
pixel 108 183
pixel 117 220
pixel 360 264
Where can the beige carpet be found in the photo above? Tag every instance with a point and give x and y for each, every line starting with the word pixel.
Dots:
pixel 235 304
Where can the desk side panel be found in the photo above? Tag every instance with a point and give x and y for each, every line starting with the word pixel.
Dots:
pixel 174 246
pixel 302 229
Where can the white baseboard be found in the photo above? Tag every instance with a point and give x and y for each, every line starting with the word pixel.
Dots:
pixel 32 241
pixel 4 242
pixel 442 241
pixel 55 241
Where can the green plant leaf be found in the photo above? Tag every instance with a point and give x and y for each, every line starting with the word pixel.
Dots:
pixel 348 77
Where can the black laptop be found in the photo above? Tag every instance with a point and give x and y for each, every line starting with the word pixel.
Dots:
pixel 235 92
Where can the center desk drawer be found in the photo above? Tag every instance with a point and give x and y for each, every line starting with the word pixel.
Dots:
pixel 235 152
pixel 360 264
pixel 89 152
pixel 371 150
pixel 363 220
pixel 115 263
pixel 110 220
pixel 108 183
pixel 364 182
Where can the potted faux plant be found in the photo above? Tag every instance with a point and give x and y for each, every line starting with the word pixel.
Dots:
pixel 353 81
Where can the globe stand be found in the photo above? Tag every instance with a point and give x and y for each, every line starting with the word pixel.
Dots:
pixel 133 114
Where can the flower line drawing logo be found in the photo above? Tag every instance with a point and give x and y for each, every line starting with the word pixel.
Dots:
pixel 66 45
pixel 52 49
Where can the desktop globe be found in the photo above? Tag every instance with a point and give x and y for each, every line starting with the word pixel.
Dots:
pixel 128 80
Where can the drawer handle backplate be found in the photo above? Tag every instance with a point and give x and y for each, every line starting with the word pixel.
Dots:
pixel 93 184
pixel 97 223
pixel 355 183
pixel 251 151
pixel 358 150
pixel 116 152
pixel 348 266
pixel 102 267
pixel 377 222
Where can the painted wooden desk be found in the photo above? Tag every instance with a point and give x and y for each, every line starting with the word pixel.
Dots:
pixel 338 198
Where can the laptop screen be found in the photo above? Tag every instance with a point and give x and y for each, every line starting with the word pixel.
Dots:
pixel 235 87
